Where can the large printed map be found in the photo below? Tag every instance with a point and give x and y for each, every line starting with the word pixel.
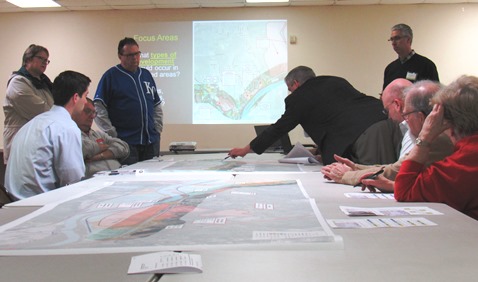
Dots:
pixel 230 166
pixel 173 215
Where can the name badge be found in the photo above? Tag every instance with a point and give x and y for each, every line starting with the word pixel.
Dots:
pixel 411 76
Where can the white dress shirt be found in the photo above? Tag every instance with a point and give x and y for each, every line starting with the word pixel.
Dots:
pixel 407 140
pixel 45 154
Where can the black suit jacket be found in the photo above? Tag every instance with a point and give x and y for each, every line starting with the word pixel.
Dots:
pixel 330 110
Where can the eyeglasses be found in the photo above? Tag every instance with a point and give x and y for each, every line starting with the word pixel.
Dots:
pixel 132 55
pixel 395 38
pixel 293 86
pixel 44 60
pixel 385 109
pixel 90 112
pixel 405 115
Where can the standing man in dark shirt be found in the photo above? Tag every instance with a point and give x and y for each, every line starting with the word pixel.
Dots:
pixel 339 119
pixel 409 64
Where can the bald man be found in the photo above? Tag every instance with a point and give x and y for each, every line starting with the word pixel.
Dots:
pixel 393 99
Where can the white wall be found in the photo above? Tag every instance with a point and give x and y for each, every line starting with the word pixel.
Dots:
pixel 347 41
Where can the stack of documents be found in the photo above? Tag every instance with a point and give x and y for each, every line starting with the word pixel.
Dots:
pixel 299 155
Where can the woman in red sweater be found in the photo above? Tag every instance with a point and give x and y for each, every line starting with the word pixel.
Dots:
pixel 453 180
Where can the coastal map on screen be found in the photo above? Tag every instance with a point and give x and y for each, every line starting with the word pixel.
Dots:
pixel 216 72
pixel 239 68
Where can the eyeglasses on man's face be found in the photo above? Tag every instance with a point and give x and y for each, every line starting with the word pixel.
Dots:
pixel 293 86
pixel 131 55
pixel 42 59
pixel 90 112
pixel 395 38
pixel 385 110
pixel 405 115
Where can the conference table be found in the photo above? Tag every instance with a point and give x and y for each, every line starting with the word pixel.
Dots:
pixel 444 252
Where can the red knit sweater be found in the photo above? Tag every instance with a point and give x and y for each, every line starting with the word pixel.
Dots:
pixel 453 181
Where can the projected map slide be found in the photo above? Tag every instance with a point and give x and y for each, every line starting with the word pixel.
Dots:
pixel 217 72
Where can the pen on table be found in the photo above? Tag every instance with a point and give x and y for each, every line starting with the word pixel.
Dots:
pixel 372 176
pixel 227 157
pixel 155 277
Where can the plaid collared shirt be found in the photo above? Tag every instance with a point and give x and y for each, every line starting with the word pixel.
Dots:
pixel 408 57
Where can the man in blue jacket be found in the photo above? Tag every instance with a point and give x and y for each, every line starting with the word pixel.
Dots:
pixel 128 104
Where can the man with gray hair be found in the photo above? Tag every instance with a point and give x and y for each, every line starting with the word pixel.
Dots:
pixel 451 181
pixel 416 109
pixel 408 65
pixel 340 120
pixel 100 151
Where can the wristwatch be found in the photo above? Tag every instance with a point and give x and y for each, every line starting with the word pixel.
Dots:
pixel 422 143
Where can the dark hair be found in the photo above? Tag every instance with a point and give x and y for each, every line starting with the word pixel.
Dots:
pixel 31 52
pixel 125 41
pixel 68 83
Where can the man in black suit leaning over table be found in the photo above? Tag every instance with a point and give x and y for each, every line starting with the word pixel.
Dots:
pixel 338 118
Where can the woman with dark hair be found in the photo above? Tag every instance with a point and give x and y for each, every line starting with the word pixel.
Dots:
pixel 28 94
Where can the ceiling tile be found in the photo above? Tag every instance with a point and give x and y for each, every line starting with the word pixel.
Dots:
pixel 82 5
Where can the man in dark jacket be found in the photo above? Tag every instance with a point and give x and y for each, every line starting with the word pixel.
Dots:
pixel 338 118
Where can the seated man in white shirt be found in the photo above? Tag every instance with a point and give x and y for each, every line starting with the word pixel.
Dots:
pixel 46 152
pixel 100 151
